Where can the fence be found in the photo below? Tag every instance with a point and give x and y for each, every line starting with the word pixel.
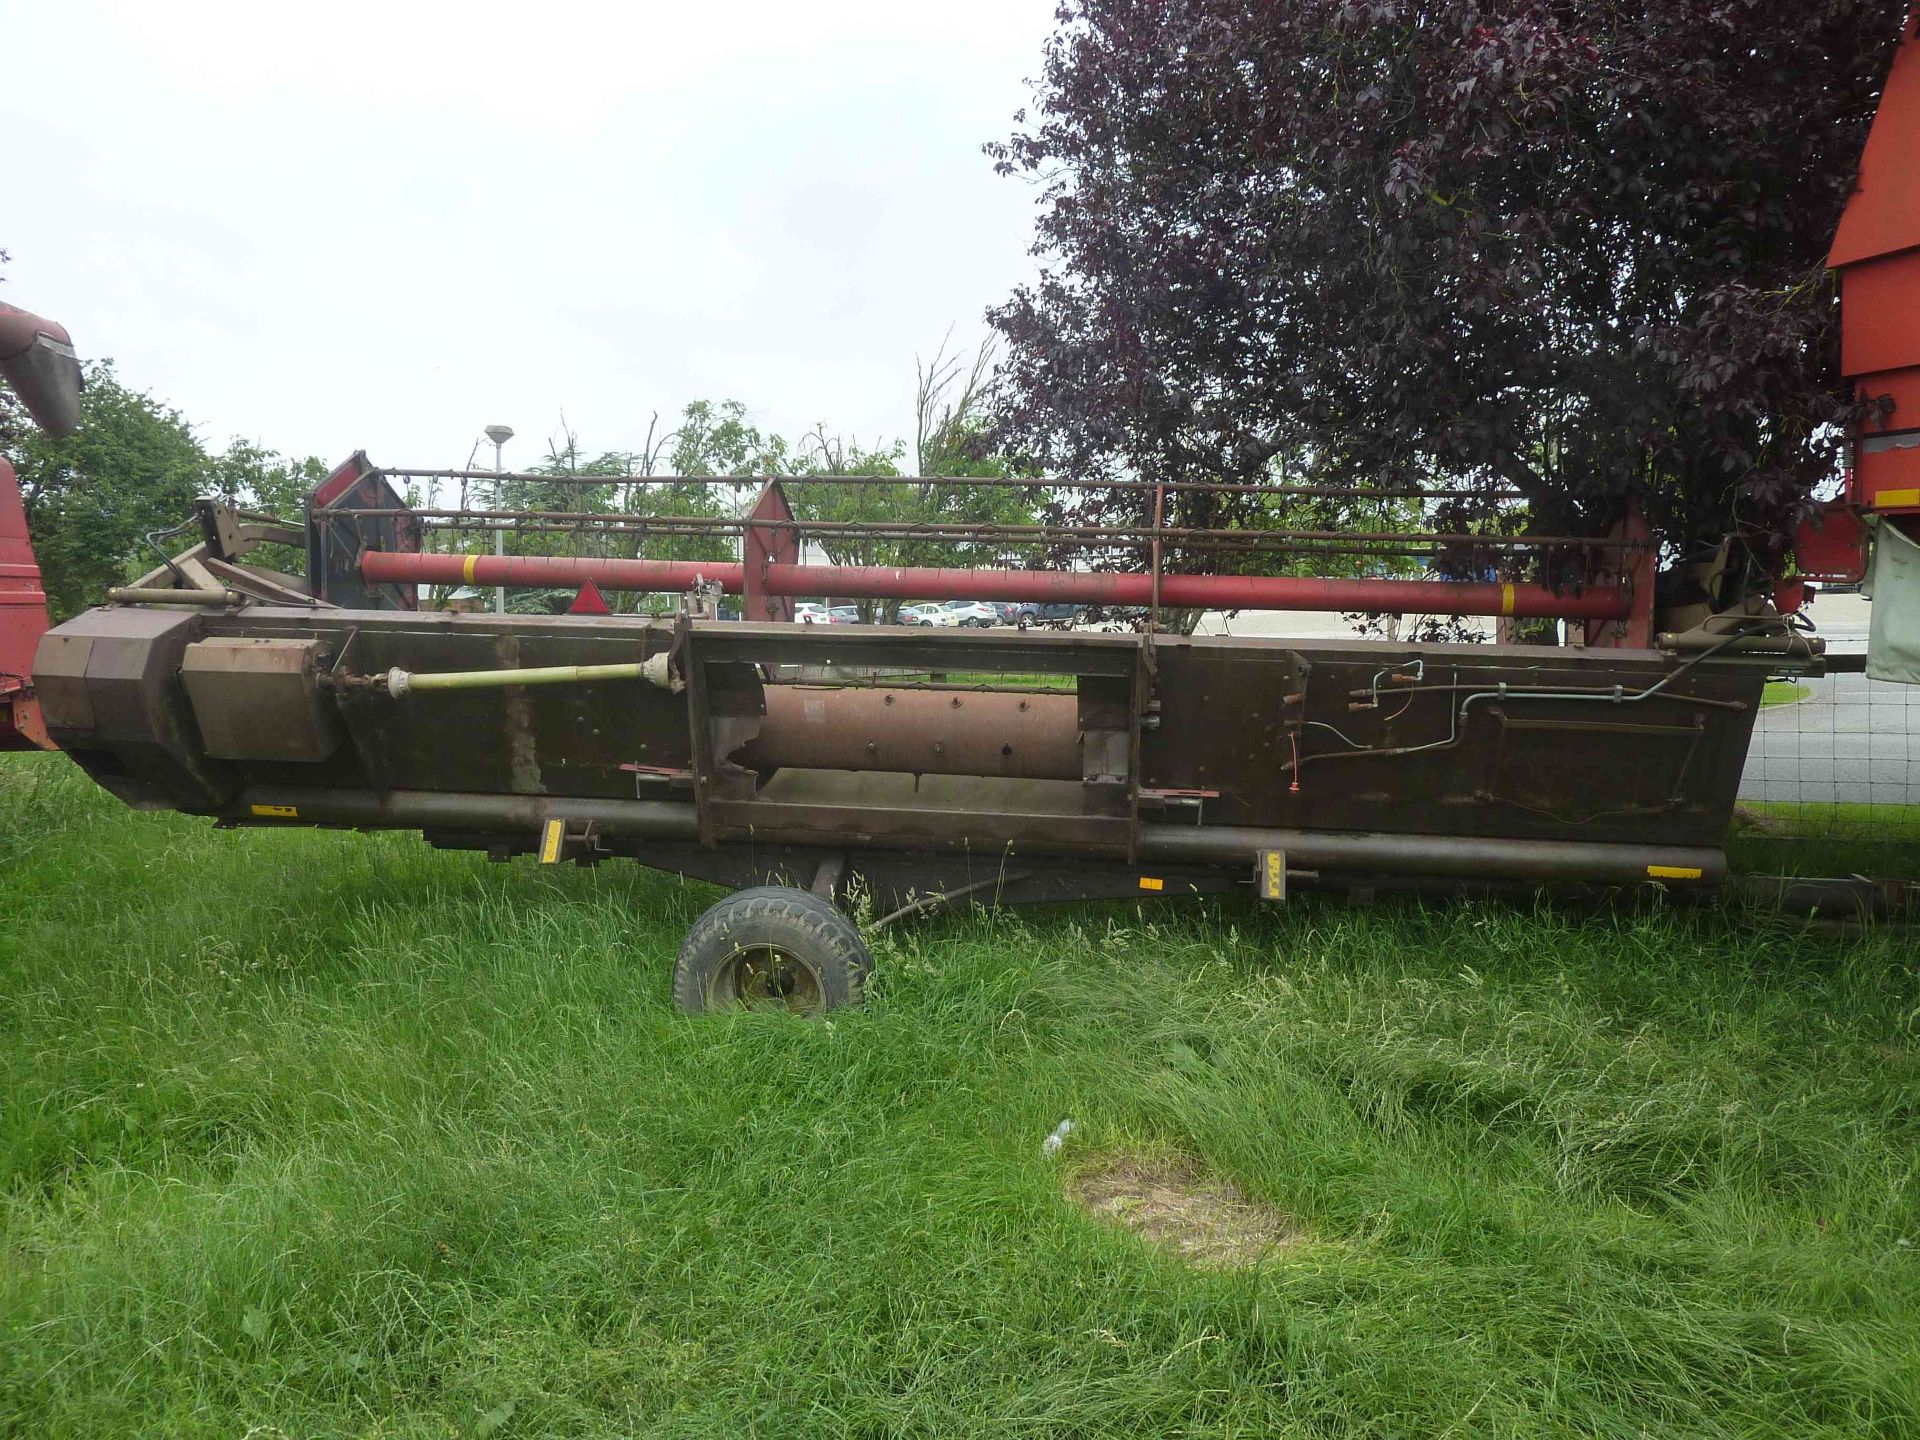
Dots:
pixel 1833 774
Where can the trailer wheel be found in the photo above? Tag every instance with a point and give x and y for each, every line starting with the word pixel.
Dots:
pixel 771 948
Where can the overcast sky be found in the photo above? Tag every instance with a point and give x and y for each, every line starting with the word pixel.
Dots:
pixel 386 225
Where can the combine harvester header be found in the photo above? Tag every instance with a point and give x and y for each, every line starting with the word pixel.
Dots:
pixel 930 766
pixel 921 766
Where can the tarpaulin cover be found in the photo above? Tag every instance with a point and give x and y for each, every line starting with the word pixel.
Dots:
pixel 1893 634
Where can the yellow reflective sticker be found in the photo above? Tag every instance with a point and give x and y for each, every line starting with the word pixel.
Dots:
pixel 550 842
pixel 1673 872
pixel 1506 599
pixel 1276 872
pixel 1888 499
pixel 467 569
pixel 1149 882
pixel 276 812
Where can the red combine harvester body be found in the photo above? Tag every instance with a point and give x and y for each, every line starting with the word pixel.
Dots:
pixel 1877 252
pixel 23 620
pixel 37 359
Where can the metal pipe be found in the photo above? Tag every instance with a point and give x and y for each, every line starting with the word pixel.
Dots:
pixel 1195 592
pixel 499 434
pixel 443 810
pixel 541 571
pixel 1454 856
pixel 1354 853
pixel 857 582
pixel 401 682
pixel 1259 543
pixel 1023 482
pixel 160 595
pixel 728 525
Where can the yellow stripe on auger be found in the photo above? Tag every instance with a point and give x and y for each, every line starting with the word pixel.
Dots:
pixel 550 841
pixel 1673 872
pixel 1506 599
pixel 466 570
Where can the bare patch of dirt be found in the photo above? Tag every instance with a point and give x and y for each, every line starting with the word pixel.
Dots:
pixel 1203 1218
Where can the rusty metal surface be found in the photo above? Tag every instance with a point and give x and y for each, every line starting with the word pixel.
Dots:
pixel 818 727
pixel 336 536
pixel 767 540
pixel 1220 740
pixel 256 698
pixel 110 692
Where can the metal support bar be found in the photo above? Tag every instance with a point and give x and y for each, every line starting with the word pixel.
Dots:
pixel 159 595
pixel 1453 856
pixel 401 682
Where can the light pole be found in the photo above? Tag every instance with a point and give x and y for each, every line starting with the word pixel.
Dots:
pixel 499 434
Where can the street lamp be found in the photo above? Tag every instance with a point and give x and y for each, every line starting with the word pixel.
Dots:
pixel 499 435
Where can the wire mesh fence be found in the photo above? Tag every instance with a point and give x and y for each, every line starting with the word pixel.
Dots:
pixel 1832 778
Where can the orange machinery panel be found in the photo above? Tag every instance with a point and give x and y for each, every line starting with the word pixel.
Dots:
pixel 1884 214
pixel 1886 473
pixel 1877 251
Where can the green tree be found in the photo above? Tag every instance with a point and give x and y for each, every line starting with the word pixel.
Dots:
pixel 1567 249
pixel 249 475
pixel 713 463
pixel 253 477
pixel 97 499
pixel 710 441
pixel 954 399
pixel 113 499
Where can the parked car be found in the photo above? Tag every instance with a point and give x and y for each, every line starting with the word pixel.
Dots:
pixel 927 614
pixel 972 612
pixel 845 614
pixel 1058 616
pixel 812 612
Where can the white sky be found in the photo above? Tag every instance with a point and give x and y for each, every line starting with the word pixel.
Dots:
pixel 386 225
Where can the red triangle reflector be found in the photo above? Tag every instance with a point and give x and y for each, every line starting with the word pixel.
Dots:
pixel 589 601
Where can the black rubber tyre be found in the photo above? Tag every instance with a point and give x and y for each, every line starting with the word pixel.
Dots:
pixel 771 948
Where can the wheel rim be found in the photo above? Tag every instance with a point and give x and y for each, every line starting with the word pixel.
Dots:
pixel 768 977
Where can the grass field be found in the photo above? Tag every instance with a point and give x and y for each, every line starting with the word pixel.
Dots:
pixel 1785 837
pixel 1783 692
pixel 311 1135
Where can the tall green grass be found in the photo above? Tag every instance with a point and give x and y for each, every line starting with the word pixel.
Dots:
pixel 313 1134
